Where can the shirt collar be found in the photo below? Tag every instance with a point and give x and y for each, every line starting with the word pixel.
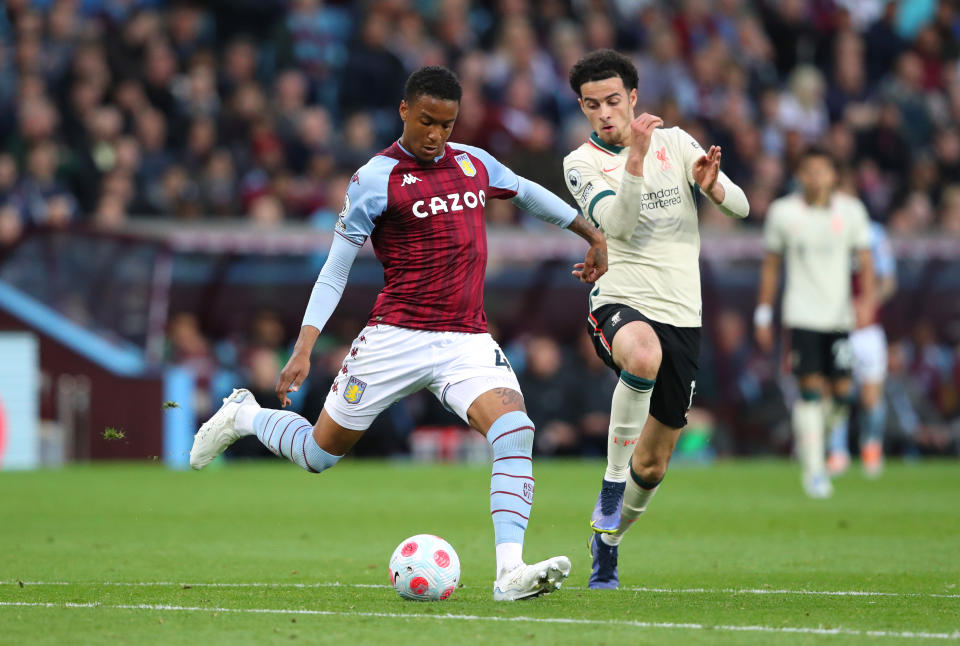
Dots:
pixel 410 154
pixel 599 143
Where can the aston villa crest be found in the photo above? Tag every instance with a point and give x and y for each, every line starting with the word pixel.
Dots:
pixel 354 390
pixel 466 165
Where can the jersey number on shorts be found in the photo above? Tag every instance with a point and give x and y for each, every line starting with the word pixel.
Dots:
pixel 842 354
pixel 501 360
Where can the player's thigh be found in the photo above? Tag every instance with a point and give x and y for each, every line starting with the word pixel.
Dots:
pixel 637 349
pixel 384 364
pixel 474 380
pixel 625 339
pixel 809 352
pixel 332 437
pixel 676 382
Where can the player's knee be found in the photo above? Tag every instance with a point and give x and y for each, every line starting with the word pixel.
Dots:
pixel 643 361
pixel 648 470
pixel 315 459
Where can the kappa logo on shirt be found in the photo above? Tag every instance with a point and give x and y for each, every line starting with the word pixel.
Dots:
pixel 410 178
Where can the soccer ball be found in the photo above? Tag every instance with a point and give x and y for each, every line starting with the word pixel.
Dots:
pixel 424 568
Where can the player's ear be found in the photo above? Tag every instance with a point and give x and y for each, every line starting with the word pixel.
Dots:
pixel 403 110
pixel 633 98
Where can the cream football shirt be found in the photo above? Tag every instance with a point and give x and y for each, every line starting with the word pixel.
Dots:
pixel 654 262
pixel 817 245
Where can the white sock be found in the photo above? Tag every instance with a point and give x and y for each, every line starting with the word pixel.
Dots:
pixel 628 413
pixel 635 501
pixel 808 428
pixel 509 556
pixel 243 422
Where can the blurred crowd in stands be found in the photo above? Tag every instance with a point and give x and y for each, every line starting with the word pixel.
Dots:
pixel 740 405
pixel 259 112
pixel 263 110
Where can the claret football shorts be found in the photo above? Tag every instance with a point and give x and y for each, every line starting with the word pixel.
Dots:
pixel 386 363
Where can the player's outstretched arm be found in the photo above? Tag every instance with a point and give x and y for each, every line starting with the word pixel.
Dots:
pixel 594 264
pixel 541 203
pixel 763 316
pixel 323 300
pixel 714 183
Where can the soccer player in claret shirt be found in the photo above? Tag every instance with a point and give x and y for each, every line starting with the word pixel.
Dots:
pixel 816 232
pixel 421 201
pixel 635 180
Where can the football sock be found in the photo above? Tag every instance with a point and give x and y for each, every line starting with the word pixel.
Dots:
pixel 243 422
pixel 636 497
pixel 511 484
pixel 628 413
pixel 874 420
pixel 291 436
pixel 808 428
pixel 838 436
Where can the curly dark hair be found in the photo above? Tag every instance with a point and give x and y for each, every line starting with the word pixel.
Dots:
pixel 603 64
pixel 433 80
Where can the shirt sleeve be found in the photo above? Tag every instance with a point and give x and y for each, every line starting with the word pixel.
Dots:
pixel 615 213
pixel 365 200
pixel 331 282
pixel 734 203
pixel 541 203
pixel 504 183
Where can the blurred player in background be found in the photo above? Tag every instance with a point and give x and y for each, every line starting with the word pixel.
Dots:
pixel 869 345
pixel 817 232
pixel 634 180
pixel 421 201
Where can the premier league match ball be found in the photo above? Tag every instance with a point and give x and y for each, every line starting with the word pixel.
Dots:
pixel 424 568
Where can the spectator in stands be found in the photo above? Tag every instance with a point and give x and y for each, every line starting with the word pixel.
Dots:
pixel 550 394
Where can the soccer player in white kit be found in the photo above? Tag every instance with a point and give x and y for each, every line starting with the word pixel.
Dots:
pixel 869 345
pixel 421 202
pixel 635 180
pixel 816 233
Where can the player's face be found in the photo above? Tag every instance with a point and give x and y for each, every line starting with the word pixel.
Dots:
pixel 609 108
pixel 817 176
pixel 427 124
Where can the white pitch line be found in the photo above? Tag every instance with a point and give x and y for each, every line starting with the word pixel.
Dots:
pixel 802 630
pixel 337 584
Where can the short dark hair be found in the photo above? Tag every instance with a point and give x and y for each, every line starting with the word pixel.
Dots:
pixel 433 80
pixel 816 151
pixel 603 64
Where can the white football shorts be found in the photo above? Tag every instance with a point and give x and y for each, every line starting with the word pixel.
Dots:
pixel 386 363
pixel 869 346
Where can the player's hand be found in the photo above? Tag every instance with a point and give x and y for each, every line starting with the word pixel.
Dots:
pixel 707 169
pixel 641 130
pixel 765 337
pixel 292 376
pixel 594 264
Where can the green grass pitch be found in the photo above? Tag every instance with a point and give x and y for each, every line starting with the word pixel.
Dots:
pixel 248 553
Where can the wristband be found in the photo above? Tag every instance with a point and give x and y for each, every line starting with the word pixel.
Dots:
pixel 763 315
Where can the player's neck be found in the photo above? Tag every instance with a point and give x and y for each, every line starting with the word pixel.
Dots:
pixel 819 200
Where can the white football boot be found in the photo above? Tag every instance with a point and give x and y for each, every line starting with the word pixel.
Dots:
pixel 218 432
pixel 527 581
pixel 817 485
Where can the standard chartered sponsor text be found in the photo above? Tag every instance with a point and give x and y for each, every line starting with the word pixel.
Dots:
pixel 661 199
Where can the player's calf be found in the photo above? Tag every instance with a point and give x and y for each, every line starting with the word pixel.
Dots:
pixel 289 435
